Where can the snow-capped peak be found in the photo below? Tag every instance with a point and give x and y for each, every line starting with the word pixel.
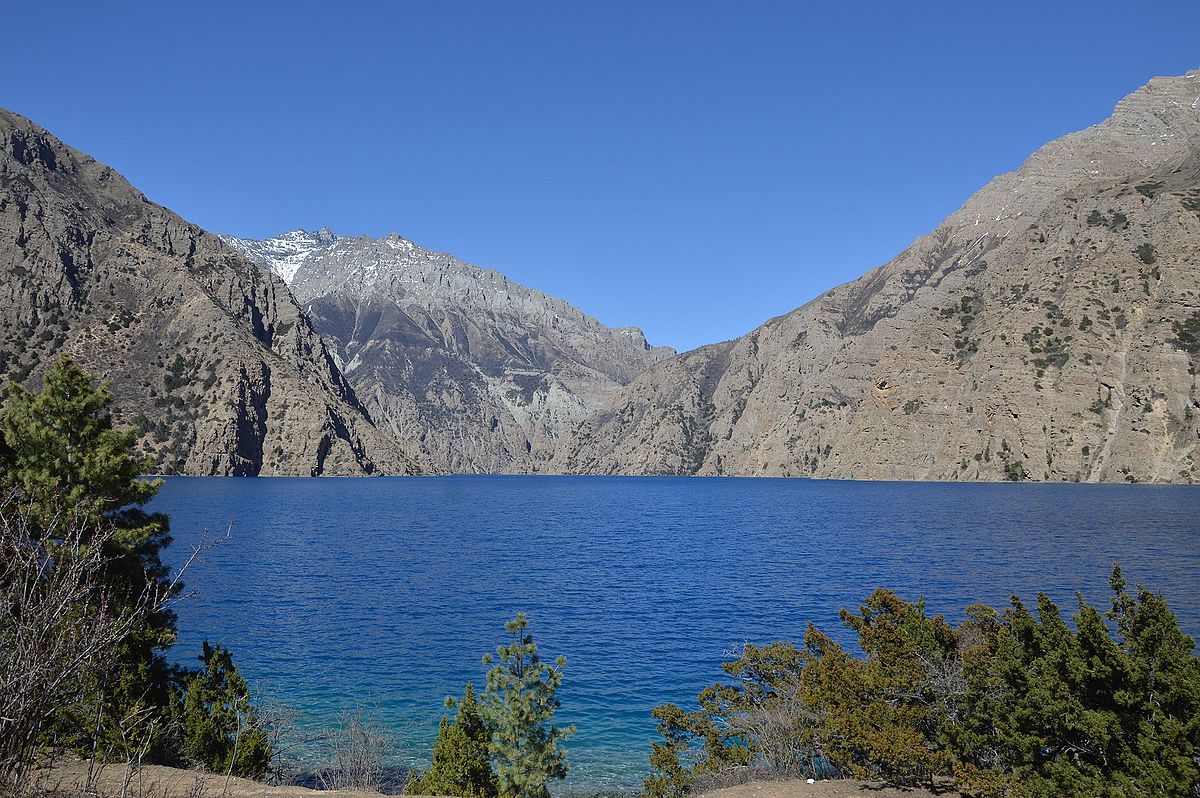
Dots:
pixel 285 253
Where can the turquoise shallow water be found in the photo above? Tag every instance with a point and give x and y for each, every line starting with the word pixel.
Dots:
pixel 383 594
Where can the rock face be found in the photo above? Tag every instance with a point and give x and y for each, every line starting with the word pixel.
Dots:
pixel 487 375
pixel 209 356
pixel 1048 330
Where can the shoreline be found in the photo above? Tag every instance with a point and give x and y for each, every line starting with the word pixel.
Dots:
pixel 690 477
pixel 160 781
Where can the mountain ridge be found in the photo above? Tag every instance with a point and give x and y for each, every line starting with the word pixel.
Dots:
pixel 826 390
pixel 487 374
pixel 209 357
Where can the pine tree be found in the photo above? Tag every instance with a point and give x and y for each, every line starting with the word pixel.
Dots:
pixel 461 764
pixel 221 727
pixel 60 450
pixel 520 703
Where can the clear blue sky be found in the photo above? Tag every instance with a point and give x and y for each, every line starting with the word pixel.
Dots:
pixel 689 167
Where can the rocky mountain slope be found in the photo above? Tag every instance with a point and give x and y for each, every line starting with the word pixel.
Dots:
pixel 487 375
pixel 208 355
pixel 1047 330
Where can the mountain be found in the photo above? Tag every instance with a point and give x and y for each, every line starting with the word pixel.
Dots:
pixel 208 355
pixel 485 374
pixel 1047 330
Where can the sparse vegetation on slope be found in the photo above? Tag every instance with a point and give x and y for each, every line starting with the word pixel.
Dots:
pixel 1048 286
pixel 209 358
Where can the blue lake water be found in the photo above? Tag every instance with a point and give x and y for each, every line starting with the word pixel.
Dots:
pixel 383 594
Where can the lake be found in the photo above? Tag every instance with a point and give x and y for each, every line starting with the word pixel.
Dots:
pixel 383 594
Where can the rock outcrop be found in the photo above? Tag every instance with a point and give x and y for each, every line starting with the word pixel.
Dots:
pixel 208 355
pixel 1047 330
pixel 485 374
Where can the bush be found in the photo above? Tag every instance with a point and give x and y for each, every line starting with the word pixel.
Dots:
pixel 358 750
pixel 1187 334
pixel 461 753
pixel 221 727
pixel 1016 703
pixel 59 621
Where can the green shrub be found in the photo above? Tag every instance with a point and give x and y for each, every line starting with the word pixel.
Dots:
pixel 1187 334
pixel 221 727
pixel 1019 703
pixel 461 764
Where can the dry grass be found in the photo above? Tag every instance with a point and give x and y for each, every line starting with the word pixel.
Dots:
pixel 67 779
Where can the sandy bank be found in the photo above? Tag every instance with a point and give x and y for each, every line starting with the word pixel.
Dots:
pixel 155 781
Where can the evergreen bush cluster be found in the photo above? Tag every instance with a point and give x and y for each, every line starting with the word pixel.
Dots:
pixel 1013 703
pixel 461 754
pixel 221 727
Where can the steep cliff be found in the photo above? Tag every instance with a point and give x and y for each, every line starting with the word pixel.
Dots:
pixel 209 356
pixel 486 374
pixel 1046 331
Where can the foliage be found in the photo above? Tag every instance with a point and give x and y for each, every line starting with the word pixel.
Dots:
pixel 77 483
pixel 1084 712
pixel 896 704
pixel 61 454
pixel 461 764
pixel 60 450
pixel 221 727
pixel 60 445
pixel 58 622
pixel 519 704
pixel 1020 703
pixel 1187 334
